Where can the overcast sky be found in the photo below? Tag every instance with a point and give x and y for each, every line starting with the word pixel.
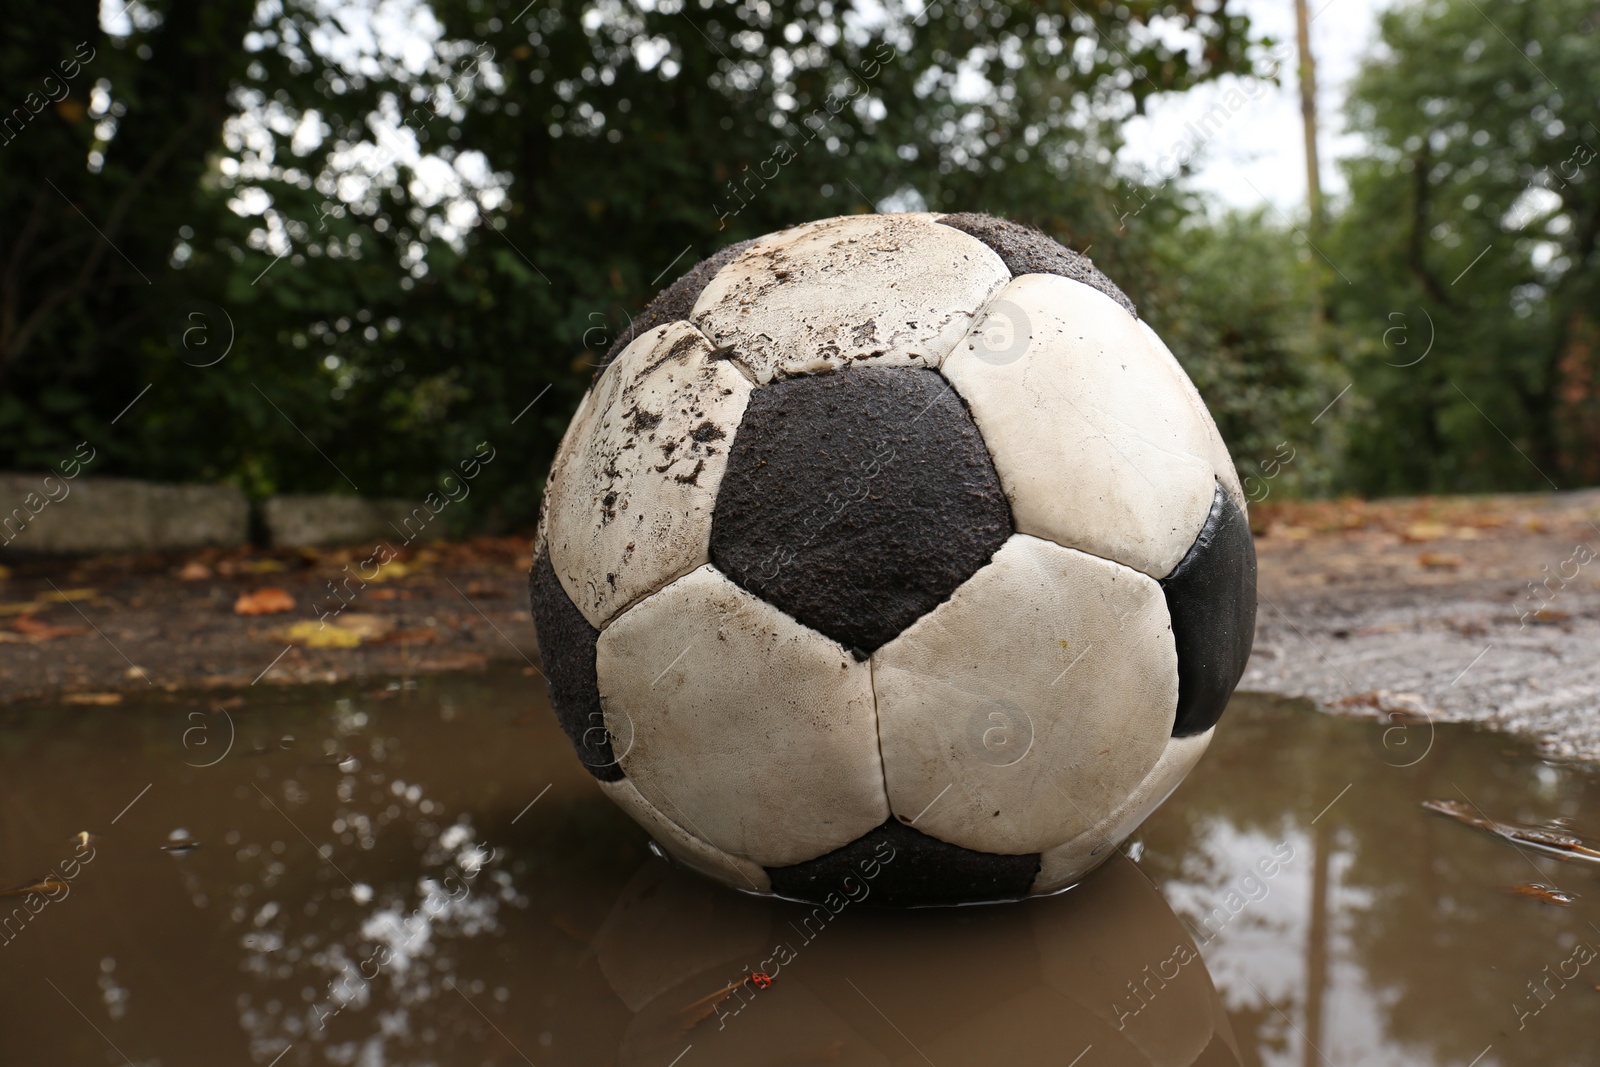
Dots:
pixel 1258 154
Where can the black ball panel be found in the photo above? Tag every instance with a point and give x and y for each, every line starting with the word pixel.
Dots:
pixel 566 648
pixel 1025 250
pixel 674 303
pixel 900 866
pixel 858 501
pixel 1211 596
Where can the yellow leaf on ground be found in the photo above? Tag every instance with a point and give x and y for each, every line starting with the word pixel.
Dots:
pixel 313 634
pixel 94 699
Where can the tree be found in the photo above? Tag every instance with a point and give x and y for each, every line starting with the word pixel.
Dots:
pixel 1468 249
pixel 407 249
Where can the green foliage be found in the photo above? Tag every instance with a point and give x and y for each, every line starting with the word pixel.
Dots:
pixel 1234 307
pixel 1471 226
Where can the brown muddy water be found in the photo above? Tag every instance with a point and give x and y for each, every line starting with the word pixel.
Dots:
pixel 423 874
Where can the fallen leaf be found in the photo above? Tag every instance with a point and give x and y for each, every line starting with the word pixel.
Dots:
pixel 19 607
pixel 313 634
pixel 33 629
pixel 67 596
pixel 94 699
pixel 45 885
pixel 1426 531
pixel 390 571
pixel 1544 894
pixel 365 626
pixel 1544 617
pixel 270 600
pixel 1392 707
pixel 1439 560
pixel 699 1011
pixel 195 571
pixel 1549 840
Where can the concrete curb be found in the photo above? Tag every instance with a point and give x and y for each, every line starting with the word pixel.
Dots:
pixel 53 514
pixel 49 513
pixel 324 519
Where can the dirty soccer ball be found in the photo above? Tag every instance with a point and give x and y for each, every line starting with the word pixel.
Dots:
pixel 892 558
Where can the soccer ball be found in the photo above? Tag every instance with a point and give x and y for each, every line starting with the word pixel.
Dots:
pixel 892 549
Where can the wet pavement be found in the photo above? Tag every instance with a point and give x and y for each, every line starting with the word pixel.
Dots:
pixel 1482 609
pixel 419 872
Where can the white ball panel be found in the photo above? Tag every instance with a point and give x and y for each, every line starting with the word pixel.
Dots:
pixel 562 458
pixel 755 732
pixel 630 505
pixel 1221 461
pixel 897 289
pixel 683 846
pixel 1075 656
pixel 1063 865
pixel 1097 447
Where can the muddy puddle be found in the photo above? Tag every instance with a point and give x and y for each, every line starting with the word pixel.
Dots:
pixel 422 874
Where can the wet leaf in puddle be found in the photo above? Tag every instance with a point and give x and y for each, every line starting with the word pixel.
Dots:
pixel 1548 842
pixel 698 1012
pixel 51 884
pixel 1544 894
pixel 179 843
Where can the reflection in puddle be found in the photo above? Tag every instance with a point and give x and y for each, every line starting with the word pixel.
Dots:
pixel 1108 967
pixel 423 875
